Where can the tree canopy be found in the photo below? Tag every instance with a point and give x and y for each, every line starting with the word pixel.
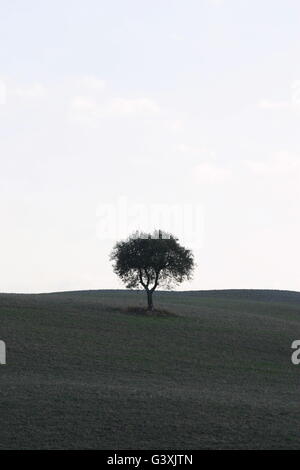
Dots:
pixel 150 260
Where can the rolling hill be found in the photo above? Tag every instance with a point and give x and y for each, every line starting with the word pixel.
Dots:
pixel 85 371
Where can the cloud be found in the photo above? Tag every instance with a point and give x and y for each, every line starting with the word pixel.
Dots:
pixel 174 125
pixel 140 106
pixel 90 111
pixel 92 83
pixel 33 91
pixel 83 110
pixel 216 2
pixel 210 173
pixel 275 178
pixel 83 104
pixel 267 104
pixel 198 151
pixel 84 99
pixel 292 103
pixel 280 165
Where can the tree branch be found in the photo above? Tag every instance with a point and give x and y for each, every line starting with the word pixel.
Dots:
pixel 148 277
pixel 156 280
pixel 145 286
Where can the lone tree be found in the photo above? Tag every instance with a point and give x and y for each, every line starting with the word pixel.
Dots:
pixel 152 260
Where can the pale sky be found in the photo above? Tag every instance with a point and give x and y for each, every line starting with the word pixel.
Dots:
pixel 192 104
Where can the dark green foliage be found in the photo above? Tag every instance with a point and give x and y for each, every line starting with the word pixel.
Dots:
pixel 152 260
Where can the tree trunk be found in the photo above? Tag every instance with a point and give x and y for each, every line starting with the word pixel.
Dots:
pixel 149 298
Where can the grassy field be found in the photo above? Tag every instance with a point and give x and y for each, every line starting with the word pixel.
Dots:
pixel 83 373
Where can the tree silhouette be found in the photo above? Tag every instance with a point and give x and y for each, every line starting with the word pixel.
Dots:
pixel 151 260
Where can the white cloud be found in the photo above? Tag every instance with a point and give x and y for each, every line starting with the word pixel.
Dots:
pixel 209 173
pixel 83 103
pixel 92 83
pixel 140 106
pixel 90 111
pixel 216 2
pixel 267 104
pixel 33 91
pixel 201 151
pixel 282 164
pixel 83 110
pixel 291 103
pixel 174 125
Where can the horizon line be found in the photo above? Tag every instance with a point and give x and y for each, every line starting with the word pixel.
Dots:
pixel 251 289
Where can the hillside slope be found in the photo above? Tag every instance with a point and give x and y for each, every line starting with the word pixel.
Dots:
pixel 83 373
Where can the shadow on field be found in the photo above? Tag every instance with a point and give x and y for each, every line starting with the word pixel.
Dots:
pixel 141 311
